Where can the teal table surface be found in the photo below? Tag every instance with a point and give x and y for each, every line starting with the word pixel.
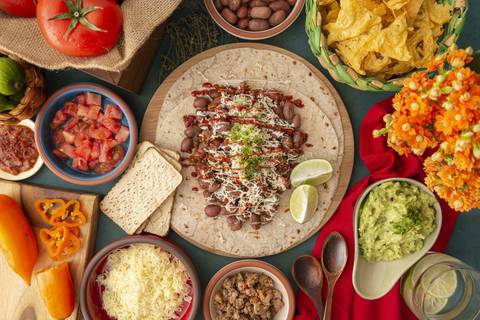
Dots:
pixel 465 241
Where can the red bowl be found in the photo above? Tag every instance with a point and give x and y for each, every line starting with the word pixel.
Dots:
pixel 279 279
pixel 90 291
pixel 254 35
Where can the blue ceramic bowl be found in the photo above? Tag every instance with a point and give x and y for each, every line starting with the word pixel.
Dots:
pixel 44 134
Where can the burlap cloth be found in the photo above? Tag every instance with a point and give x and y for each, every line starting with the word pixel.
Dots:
pixel 21 37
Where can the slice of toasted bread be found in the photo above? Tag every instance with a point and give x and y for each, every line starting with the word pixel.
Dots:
pixel 148 182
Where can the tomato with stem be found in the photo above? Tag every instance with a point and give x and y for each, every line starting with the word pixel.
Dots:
pixel 80 28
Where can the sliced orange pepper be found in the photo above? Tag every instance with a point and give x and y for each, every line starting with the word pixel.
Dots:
pixel 69 215
pixel 61 242
pixel 56 288
pixel 17 240
pixel 47 208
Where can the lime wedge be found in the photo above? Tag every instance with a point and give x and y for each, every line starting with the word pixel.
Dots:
pixel 443 286
pixel 303 203
pixel 432 305
pixel 312 172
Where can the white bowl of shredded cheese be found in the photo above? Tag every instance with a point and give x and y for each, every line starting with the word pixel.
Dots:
pixel 140 277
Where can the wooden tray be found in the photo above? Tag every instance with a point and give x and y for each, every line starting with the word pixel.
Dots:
pixel 19 301
pixel 151 121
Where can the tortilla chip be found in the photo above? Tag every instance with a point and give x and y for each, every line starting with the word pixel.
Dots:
pixel 397 4
pixel 394 40
pixel 375 62
pixel 355 50
pixel 438 13
pixel 353 21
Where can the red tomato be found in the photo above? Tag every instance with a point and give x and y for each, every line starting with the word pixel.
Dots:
pixel 82 111
pixel 94 112
pixel 111 124
pixel 93 99
pixel 80 164
pixel 69 137
pixel 19 8
pixel 59 119
pixel 70 108
pixel 101 34
pixel 113 112
pixel 80 99
pixel 122 134
pixel 67 149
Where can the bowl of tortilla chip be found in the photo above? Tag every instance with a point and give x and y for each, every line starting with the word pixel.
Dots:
pixel 372 45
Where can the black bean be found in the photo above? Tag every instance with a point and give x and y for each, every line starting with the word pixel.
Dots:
pixel 212 210
pixel 187 145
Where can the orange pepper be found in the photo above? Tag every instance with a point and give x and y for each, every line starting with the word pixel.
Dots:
pixel 61 241
pixel 56 288
pixel 17 240
pixel 69 215
pixel 47 208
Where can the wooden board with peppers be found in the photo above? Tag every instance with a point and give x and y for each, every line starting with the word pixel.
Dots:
pixel 72 222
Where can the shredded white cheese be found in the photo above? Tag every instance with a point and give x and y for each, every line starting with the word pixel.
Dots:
pixel 143 282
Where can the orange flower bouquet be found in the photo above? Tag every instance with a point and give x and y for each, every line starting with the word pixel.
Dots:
pixel 439 109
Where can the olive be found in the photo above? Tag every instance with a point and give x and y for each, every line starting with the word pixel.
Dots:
pixel 192 131
pixel 201 103
pixel 234 223
pixel 212 210
pixel 297 121
pixel 187 145
pixel 288 110
pixel 214 187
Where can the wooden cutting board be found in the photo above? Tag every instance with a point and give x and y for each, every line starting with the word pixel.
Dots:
pixel 18 301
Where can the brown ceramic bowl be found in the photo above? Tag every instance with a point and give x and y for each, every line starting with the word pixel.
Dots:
pixel 90 292
pixel 254 35
pixel 280 281
pixel 45 142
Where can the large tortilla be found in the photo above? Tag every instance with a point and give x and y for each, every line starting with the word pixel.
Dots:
pixel 320 119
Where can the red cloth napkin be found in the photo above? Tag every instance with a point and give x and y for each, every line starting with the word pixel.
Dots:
pixel 383 163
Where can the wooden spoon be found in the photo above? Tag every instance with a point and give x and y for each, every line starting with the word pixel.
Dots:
pixel 307 273
pixel 334 259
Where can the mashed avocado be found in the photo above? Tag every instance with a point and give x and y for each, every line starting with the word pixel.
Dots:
pixel 395 218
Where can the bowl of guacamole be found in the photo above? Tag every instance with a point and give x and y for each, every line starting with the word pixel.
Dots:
pixel 396 222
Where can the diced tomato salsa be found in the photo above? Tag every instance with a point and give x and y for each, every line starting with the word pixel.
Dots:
pixel 91 137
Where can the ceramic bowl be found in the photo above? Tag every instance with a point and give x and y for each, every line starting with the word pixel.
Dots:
pixel 373 280
pixel 90 292
pixel 280 282
pixel 44 136
pixel 254 35
pixel 26 174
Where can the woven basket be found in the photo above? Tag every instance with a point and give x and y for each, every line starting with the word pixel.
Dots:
pixel 343 73
pixel 33 98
